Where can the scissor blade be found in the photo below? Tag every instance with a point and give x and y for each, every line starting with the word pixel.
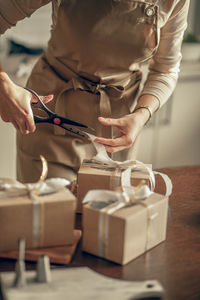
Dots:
pixel 53 117
pixel 75 130
pixel 74 123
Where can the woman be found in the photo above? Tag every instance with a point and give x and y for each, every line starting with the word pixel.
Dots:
pixel 91 69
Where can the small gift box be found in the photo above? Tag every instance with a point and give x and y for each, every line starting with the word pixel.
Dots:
pixel 42 213
pixel 95 174
pixel 101 172
pixel 119 231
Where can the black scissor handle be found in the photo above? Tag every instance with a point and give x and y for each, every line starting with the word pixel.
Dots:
pixel 40 104
pixel 53 117
pixel 40 120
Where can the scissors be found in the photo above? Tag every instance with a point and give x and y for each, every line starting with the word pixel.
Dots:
pixel 55 119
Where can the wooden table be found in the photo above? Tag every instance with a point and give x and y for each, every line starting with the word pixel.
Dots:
pixel 176 262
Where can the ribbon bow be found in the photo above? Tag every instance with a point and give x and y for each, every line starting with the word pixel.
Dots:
pixel 106 90
pixel 12 188
pixel 102 160
pixel 108 202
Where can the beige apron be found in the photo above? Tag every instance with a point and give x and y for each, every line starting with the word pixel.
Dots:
pixel 92 68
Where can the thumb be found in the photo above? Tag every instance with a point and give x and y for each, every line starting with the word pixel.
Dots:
pixel 45 99
pixel 30 124
pixel 109 121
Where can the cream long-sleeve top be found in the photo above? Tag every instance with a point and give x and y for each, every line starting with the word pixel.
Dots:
pixel 163 66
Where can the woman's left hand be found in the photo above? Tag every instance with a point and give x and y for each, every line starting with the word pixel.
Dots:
pixel 128 128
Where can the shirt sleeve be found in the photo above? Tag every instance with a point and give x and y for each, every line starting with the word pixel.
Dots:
pixel 164 66
pixel 12 11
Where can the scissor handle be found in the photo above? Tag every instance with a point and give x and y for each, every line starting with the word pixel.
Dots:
pixel 53 117
pixel 40 104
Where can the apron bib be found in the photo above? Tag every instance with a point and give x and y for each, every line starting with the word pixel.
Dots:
pixel 91 67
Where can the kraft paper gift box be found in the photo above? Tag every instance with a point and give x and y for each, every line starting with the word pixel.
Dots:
pixel 43 220
pixel 124 234
pixel 95 176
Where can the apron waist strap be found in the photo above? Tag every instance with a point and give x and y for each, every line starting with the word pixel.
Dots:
pixel 105 90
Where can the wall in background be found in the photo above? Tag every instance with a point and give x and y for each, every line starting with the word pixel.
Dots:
pixel 197 19
pixel 34 31
pixel 191 15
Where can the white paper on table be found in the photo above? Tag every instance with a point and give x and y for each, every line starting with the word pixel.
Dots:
pixel 81 283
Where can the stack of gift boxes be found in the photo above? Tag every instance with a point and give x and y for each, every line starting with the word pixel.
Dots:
pixel 119 221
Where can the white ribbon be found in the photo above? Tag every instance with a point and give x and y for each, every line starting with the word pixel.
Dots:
pixel 167 181
pixel 103 160
pixel 12 188
pixel 107 202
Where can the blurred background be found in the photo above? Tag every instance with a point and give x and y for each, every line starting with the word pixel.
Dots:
pixel 171 138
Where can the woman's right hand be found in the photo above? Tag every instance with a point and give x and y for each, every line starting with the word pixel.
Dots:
pixel 15 104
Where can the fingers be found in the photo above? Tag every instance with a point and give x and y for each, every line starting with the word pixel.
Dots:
pixel 115 145
pixel 5 118
pixel 115 149
pixel 26 123
pixel 16 106
pixel 29 120
pixel 21 123
pixel 110 142
pixel 128 128
pixel 24 119
pixel 33 99
pixel 17 119
pixel 110 122
pixel 117 142
pixel 47 99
